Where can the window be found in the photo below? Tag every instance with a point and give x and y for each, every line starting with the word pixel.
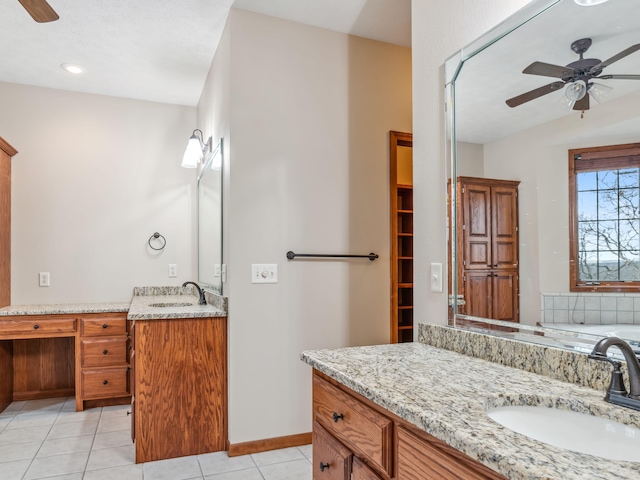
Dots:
pixel 604 206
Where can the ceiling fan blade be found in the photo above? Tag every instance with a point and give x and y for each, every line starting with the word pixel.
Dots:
pixel 533 94
pixel 582 104
pixel 618 77
pixel 548 70
pixel 40 10
pixel 615 58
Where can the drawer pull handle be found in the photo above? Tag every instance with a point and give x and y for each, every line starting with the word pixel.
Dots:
pixel 337 417
pixel 104 325
pixel 128 413
pixel 104 352
pixel 105 382
pixel 323 466
pixel 36 326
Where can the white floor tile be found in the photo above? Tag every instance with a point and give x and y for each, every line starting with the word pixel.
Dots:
pixel 111 457
pixel 32 419
pixel 182 468
pixel 24 435
pixel 220 462
pixel 57 465
pixel 50 404
pixel 295 470
pixel 14 470
pixel 114 424
pixel 115 411
pixel 249 474
pixel 277 456
pixel 121 438
pixel 62 446
pixel 73 429
pixel 18 451
pixel 124 472
pixel 68 416
pixel 70 476
pixel 13 408
pixel 4 421
pixel 70 405
pixel 307 450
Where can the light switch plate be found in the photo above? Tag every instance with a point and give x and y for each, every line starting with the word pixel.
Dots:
pixel 44 279
pixel 173 270
pixel 264 273
pixel 436 277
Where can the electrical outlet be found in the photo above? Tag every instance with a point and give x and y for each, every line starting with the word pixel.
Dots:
pixel 173 270
pixel 44 279
pixel 264 273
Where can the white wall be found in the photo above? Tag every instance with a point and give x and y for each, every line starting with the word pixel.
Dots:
pixel 95 177
pixel 308 172
pixel 439 29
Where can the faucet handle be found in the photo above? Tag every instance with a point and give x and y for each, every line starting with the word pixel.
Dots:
pixel 616 387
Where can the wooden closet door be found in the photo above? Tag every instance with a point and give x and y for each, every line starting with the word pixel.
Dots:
pixel 478 293
pixel 6 152
pixel 477 215
pixel 504 295
pixel 504 227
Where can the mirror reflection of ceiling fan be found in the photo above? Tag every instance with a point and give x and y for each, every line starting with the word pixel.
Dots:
pixel 40 10
pixel 577 76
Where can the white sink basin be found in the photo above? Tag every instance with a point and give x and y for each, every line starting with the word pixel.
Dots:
pixel 574 431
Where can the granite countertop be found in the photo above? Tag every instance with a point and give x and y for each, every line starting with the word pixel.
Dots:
pixel 68 308
pixel 141 307
pixel 446 394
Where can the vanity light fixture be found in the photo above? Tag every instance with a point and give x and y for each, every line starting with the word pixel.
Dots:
pixel 589 3
pixel 73 68
pixel 195 149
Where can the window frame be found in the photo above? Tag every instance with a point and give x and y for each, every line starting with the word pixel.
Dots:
pixel 591 160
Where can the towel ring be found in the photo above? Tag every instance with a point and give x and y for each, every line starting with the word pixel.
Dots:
pixel 157 235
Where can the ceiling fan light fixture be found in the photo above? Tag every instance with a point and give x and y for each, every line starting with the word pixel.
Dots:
pixel 575 91
pixel 589 3
pixel 566 103
pixel 599 92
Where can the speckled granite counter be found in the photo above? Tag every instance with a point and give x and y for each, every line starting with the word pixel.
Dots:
pixel 144 298
pixel 69 308
pixel 446 394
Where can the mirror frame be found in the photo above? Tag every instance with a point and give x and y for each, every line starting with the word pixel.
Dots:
pixel 218 151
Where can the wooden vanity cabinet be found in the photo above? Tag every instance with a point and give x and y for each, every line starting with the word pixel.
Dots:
pixel 355 439
pixel 179 387
pixel 102 368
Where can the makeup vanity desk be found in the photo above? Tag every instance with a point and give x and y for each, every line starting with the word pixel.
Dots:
pixel 65 350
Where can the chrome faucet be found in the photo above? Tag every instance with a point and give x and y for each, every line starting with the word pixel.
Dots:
pixel 617 393
pixel 202 300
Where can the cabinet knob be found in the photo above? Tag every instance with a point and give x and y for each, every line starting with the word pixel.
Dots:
pixel 323 466
pixel 36 326
pixel 495 265
pixel 104 352
pixel 104 325
pixel 105 382
pixel 128 412
pixel 337 417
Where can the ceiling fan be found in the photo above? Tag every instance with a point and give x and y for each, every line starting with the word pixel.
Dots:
pixel 40 10
pixel 577 75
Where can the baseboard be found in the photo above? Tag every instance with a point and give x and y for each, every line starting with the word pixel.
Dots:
pixel 257 446
pixel 39 394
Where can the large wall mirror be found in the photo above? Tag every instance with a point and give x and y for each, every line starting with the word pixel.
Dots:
pixel 210 220
pixel 557 79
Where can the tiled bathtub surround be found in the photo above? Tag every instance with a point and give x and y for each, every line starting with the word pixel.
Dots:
pixel 590 308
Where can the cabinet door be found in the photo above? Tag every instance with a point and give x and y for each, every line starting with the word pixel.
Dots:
pixel 478 293
pixel 359 471
pixel 504 227
pixel 331 459
pixel 476 220
pixel 504 291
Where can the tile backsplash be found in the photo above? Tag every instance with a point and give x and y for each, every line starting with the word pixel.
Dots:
pixel 590 308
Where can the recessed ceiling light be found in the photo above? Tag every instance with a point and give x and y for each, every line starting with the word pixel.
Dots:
pixel 589 3
pixel 73 68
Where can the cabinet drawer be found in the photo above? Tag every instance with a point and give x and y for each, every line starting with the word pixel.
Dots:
pixel 37 326
pixel 105 325
pixel 331 459
pixel 103 352
pixel 105 383
pixel 359 427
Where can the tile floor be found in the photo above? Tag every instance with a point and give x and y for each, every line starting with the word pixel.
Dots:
pixel 49 439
